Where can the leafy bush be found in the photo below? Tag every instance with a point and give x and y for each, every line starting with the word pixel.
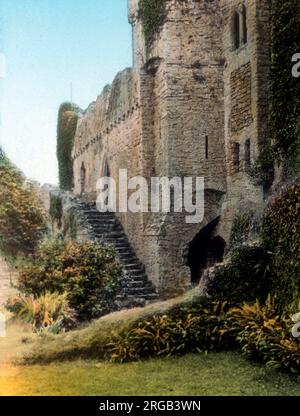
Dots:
pixel 56 209
pixel 266 336
pixel 22 219
pixel 244 278
pixel 256 328
pixel 281 237
pixel 48 313
pixel 192 328
pixel 190 323
pixel 87 272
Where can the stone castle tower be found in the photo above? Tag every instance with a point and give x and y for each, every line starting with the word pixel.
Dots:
pixel 195 103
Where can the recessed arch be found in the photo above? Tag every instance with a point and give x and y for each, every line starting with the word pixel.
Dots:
pixel 205 250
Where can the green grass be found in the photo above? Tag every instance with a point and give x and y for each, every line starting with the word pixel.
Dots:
pixel 213 374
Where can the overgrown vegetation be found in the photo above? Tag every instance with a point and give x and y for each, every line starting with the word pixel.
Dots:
pixel 66 129
pixel 86 272
pixel 263 169
pixel 179 326
pixel 22 219
pixel 70 224
pixel 245 276
pixel 48 313
pixel 246 226
pixel 281 237
pixel 210 326
pixel 56 209
pixel 152 14
pixel 286 88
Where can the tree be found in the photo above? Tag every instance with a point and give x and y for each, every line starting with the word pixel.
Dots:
pixel 22 219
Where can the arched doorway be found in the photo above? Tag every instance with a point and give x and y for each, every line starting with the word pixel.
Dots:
pixel 205 250
pixel 82 179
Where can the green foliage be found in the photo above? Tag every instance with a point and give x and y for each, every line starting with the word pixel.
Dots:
pixel 245 226
pixel 152 14
pixel 70 224
pixel 66 129
pixel 189 328
pixel 178 326
pixel 262 171
pixel 87 272
pixel 48 313
pixel 244 278
pixel 22 219
pixel 286 89
pixel 266 336
pixel 56 209
pixel 211 326
pixel 281 237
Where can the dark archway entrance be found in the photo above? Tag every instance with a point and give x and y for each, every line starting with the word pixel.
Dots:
pixel 205 250
pixel 82 179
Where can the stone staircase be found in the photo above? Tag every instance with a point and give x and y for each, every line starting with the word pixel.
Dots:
pixel 136 289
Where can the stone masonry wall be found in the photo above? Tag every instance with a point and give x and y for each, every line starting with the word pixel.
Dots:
pixel 182 109
pixel 246 95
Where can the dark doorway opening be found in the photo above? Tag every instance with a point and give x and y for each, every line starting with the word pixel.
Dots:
pixel 205 250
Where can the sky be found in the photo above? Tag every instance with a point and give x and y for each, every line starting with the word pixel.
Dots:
pixel 49 45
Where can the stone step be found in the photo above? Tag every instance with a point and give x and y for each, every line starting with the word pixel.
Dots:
pixel 105 228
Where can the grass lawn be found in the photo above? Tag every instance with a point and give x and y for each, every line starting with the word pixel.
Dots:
pixel 212 374
pixel 226 373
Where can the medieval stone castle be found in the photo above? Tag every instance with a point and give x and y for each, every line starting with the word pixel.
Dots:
pixel 195 103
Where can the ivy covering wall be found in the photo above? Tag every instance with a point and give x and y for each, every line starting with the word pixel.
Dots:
pixel 152 14
pixel 286 88
pixel 281 238
pixel 66 129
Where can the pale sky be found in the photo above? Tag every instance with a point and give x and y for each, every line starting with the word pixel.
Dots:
pixel 49 44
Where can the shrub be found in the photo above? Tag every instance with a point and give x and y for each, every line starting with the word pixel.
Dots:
pixel 56 209
pixel 49 312
pixel 281 237
pixel 244 278
pixel 22 219
pixel 256 328
pixel 192 328
pixel 266 336
pixel 87 272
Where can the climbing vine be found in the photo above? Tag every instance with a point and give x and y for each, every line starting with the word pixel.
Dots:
pixel 66 129
pixel 56 209
pixel 286 88
pixel 281 238
pixel 152 14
